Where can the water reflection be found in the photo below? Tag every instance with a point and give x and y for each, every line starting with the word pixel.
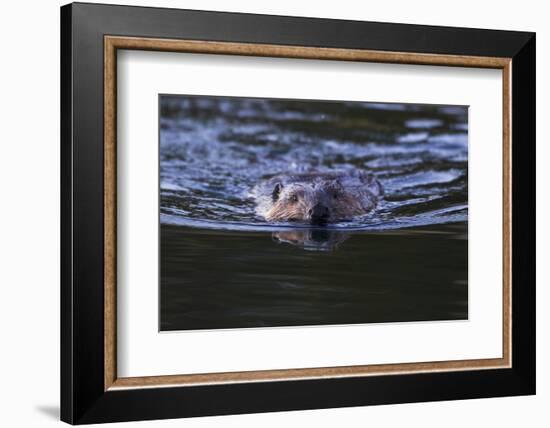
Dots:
pixel 226 279
pixel 314 239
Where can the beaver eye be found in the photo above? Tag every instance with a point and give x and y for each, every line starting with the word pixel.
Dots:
pixel 294 198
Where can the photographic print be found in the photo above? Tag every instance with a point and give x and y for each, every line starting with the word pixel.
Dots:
pixel 283 212
pixel 242 210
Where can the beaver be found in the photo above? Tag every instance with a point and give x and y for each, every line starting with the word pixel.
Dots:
pixel 317 198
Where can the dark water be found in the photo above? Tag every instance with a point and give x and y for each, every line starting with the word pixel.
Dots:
pixel 222 267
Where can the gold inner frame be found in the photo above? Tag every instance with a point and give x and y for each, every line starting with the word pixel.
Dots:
pixel 113 43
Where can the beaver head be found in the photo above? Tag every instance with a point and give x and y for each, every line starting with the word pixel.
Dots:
pixel 318 198
pixel 316 203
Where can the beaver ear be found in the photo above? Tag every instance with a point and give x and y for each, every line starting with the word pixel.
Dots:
pixel 276 192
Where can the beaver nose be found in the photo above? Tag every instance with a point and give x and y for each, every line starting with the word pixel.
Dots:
pixel 319 214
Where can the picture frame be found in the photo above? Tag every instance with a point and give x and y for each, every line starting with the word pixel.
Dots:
pixel 91 390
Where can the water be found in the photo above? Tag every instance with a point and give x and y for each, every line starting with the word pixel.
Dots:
pixel 223 267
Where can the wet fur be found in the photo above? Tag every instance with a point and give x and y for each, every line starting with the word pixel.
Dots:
pixel 291 197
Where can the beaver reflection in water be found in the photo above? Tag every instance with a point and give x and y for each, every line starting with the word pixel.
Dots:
pixel 312 239
pixel 317 197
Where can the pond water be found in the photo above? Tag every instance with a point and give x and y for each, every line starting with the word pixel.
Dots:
pixel 223 267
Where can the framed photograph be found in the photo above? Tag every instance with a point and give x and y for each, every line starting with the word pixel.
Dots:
pixel 266 213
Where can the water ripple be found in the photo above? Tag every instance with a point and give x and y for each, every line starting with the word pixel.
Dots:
pixel 214 150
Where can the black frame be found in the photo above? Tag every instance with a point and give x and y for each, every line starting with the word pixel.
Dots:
pixel 83 399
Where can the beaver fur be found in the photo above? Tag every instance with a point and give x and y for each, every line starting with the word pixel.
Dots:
pixel 317 197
